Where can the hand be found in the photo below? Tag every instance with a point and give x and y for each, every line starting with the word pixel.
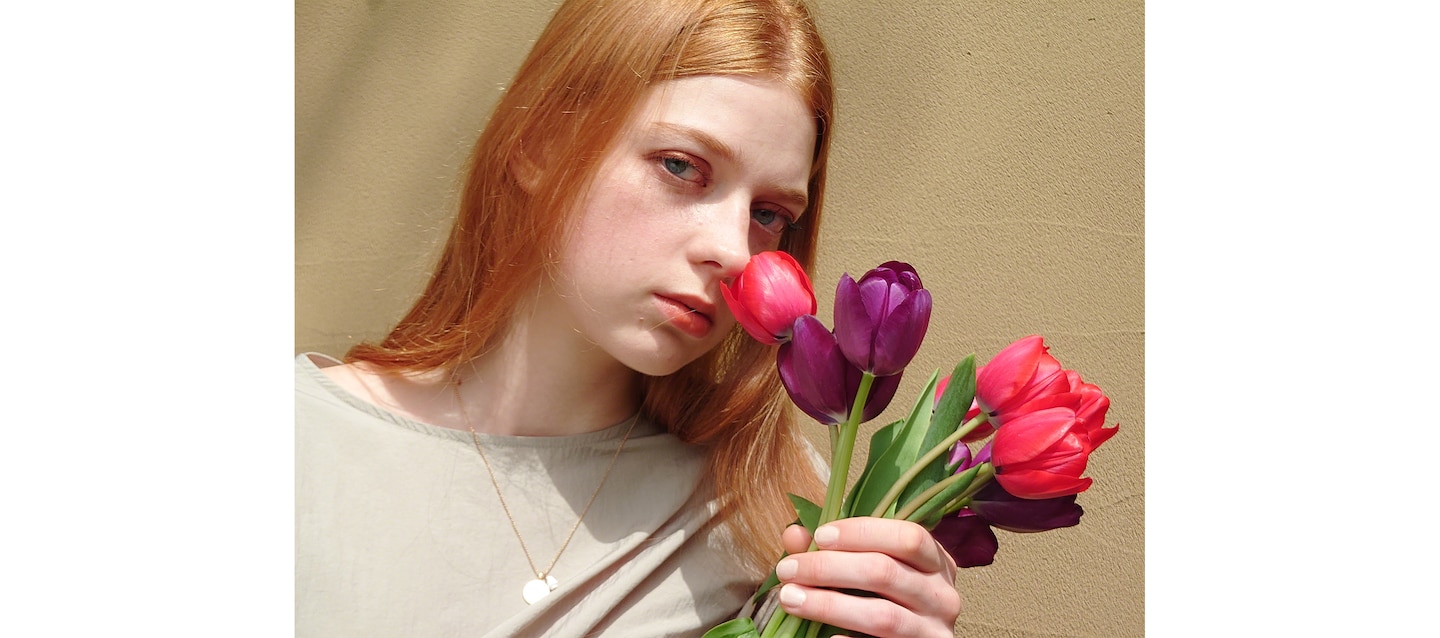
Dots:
pixel 913 577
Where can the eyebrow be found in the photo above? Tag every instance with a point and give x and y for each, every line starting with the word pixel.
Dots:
pixel 798 199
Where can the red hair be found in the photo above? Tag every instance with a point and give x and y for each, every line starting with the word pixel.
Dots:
pixel 584 77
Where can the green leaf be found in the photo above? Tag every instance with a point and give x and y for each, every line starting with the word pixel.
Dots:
pixel 898 456
pixel 809 512
pixel 879 441
pixel 949 414
pixel 738 628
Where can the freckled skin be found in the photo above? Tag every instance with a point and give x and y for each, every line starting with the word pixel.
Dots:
pixel 672 214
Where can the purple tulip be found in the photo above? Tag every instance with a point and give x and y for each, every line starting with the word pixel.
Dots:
pixel 881 320
pixel 821 382
pixel 968 539
pixel 961 454
pixel 1014 514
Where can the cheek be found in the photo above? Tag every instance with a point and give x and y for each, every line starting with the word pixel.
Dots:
pixel 761 241
pixel 724 321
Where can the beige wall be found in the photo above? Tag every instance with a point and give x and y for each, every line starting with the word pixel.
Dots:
pixel 998 146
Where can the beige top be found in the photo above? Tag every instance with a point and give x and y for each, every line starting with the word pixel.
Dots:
pixel 398 531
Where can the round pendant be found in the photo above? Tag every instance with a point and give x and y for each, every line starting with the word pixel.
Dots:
pixel 538 589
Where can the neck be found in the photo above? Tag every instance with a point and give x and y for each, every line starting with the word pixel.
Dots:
pixel 535 384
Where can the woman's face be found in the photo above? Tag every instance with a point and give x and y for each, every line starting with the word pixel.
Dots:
pixel 709 171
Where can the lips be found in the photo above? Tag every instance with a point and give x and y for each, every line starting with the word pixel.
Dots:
pixel 692 315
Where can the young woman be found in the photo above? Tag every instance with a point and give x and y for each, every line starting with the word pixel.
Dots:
pixel 567 435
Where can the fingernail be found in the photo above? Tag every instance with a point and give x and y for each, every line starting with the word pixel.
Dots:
pixel 791 596
pixel 786 569
pixel 826 536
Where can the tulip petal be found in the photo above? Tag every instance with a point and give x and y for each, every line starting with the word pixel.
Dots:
pixel 1014 514
pixel 960 457
pixel 968 539
pixel 1036 484
pixel 854 329
pixel 903 273
pixel 1028 436
pixel 1008 372
pixel 768 295
pixel 875 296
pixel 900 333
pixel 1100 435
pixel 814 372
pixel 785 289
pixel 882 391
pixel 784 362
pixel 986 453
pixel 744 317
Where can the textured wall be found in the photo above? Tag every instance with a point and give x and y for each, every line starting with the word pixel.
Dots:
pixel 997 146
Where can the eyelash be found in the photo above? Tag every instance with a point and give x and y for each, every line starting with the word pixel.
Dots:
pixel 667 160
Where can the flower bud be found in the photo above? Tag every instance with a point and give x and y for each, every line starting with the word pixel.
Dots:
pixel 881 319
pixel 819 379
pixel 769 295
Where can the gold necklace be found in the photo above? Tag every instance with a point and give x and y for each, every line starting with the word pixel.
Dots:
pixel 544 582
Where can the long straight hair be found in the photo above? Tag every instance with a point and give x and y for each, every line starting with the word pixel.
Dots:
pixel 530 168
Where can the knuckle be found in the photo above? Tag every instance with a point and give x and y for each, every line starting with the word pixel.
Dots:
pixel 914 539
pixel 888 570
pixel 891 622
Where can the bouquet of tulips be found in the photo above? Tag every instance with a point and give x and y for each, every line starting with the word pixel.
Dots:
pixel 1034 422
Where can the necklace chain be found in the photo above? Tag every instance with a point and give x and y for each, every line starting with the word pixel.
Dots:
pixel 540 575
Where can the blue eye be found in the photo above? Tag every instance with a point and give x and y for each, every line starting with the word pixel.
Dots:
pixel 676 166
pixel 682 168
pixel 772 220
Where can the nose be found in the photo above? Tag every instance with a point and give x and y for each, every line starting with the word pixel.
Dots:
pixel 722 239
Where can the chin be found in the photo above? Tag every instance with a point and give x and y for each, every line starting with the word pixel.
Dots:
pixel 662 360
pixel 659 366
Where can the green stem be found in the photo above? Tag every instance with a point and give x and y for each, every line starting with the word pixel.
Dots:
pixel 784 628
pixel 934 490
pixel 924 461
pixel 840 457
pixel 963 499
pixel 982 474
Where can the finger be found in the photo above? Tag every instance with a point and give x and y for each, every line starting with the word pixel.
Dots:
pixel 870 616
pixel 929 594
pixel 904 540
pixel 795 539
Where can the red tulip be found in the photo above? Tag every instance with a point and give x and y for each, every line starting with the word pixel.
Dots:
pixel 769 295
pixel 1020 373
pixel 1091 408
pixel 1041 454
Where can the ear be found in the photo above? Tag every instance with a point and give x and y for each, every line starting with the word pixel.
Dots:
pixel 525 168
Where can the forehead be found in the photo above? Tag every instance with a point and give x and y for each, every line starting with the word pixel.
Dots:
pixel 764 124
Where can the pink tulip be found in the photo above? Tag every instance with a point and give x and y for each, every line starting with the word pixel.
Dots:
pixel 769 295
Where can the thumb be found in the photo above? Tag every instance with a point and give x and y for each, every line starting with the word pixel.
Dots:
pixel 795 539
